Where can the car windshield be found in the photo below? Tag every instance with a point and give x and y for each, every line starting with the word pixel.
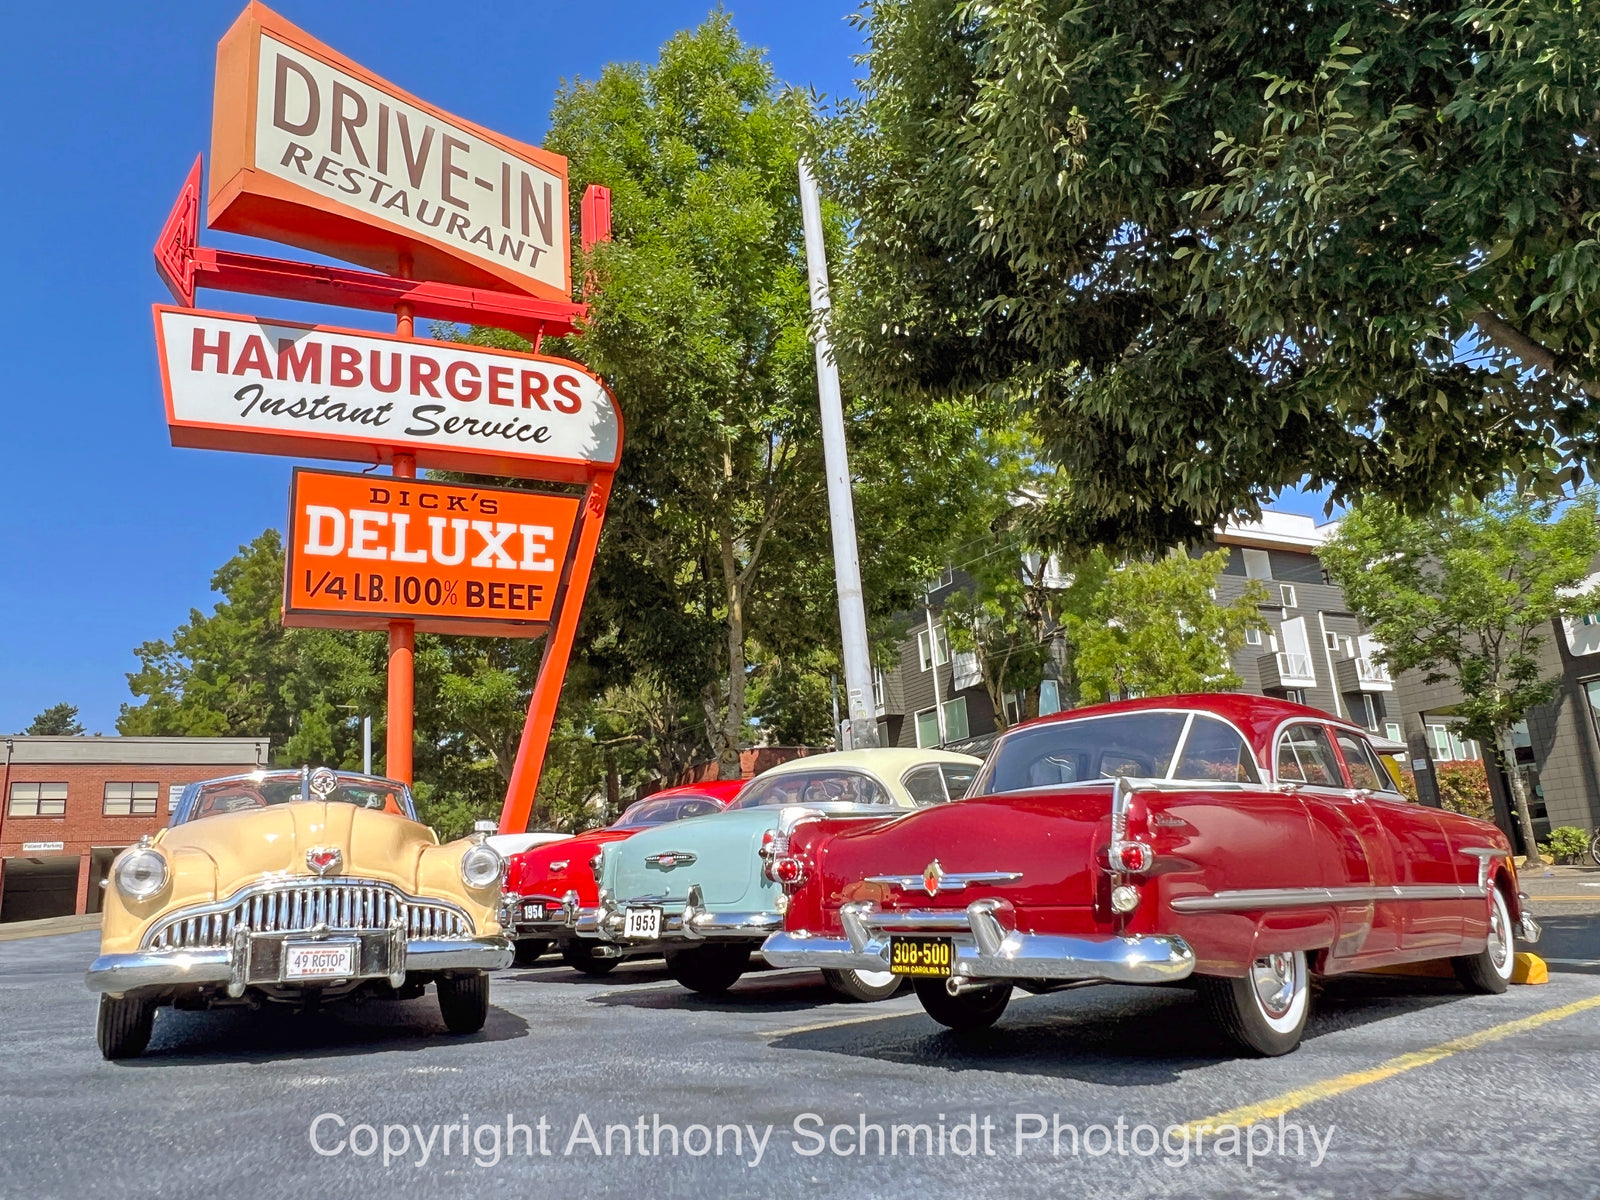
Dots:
pixel 667 809
pixel 266 788
pixel 1146 745
pixel 813 787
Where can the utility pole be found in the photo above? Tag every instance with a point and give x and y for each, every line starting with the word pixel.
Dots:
pixel 841 504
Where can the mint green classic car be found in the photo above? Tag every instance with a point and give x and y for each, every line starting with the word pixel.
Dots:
pixel 703 892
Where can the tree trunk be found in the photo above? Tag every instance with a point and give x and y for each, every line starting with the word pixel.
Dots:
pixel 1519 797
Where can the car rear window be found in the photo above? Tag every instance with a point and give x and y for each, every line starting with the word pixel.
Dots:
pixel 1145 745
pixel 813 787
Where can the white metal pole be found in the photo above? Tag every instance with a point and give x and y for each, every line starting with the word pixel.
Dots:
pixel 366 745
pixel 841 506
pixel 933 656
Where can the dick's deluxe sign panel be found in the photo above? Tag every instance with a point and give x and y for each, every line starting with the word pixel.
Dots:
pixel 279 387
pixel 311 149
pixel 453 558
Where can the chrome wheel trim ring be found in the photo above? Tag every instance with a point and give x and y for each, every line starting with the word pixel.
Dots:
pixel 875 979
pixel 1501 951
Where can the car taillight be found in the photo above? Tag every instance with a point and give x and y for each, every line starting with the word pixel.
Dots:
pixel 1134 858
pixel 788 871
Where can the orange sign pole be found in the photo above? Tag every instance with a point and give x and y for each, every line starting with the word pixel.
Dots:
pixel 553 664
pixel 402 634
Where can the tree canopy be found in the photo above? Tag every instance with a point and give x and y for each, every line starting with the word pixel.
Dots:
pixel 1221 250
pixel 1468 595
pixel 59 720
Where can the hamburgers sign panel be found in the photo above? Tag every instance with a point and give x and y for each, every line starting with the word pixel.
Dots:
pixel 310 149
pixel 279 387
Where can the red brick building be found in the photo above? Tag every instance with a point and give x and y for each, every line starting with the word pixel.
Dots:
pixel 68 804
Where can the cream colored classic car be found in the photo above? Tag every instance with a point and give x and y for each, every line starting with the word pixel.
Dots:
pixel 295 887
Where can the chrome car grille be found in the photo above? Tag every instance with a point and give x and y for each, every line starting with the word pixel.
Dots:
pixel 300 906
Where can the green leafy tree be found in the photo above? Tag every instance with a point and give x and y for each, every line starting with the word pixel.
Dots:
pixel 236 671
pixel 1154 628
pixel 714 582
pixel 59 720
pixel 1468 596
pixel 1221 249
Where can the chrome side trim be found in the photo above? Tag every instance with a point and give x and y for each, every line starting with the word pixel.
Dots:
pixel 1249 899
pixel 1485 855
pixel 947 883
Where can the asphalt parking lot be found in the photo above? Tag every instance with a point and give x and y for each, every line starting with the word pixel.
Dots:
pixel 1404 1087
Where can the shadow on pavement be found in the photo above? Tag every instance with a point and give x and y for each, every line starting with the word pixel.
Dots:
pixel 1115 1036
pixel 274 1033
pixel 1574 937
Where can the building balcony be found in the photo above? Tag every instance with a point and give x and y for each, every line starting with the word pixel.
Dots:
pixel 1286 669
pixel 1362 675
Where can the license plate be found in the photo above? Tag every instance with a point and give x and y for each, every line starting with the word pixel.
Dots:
pixel 533 912
pixel 924 956
pixel 641 923
pixel 319 960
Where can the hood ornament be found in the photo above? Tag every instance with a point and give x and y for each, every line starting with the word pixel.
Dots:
pixel 325 860
pixel 931 875
pixel 324 783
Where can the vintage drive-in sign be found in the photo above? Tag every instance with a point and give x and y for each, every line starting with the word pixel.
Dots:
pixel 310 149
pixel 367 549
pixel 278 387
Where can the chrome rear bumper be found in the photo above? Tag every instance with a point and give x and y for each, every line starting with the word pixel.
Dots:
pixel 689 922
pixel 120 973
pixel 986 945
pixel 561 918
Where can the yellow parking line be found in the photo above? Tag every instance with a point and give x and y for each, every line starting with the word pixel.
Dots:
pixel 882 1016
pixel 1266 1110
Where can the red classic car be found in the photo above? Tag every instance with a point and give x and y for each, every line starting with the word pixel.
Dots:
pixel 1244 841
pixel 547 887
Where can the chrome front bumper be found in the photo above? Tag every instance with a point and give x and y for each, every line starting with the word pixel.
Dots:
pixel 1528 929
pixel 986 946
pixel 561 916
pixel 689 922
pixel 120 973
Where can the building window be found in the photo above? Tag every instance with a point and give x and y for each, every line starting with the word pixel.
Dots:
pixel 1286 592
pixel 130 799
pixel 1332 640
pixel 926 648
pixel 1295 695
pixel 37 800
pixel 1252 636
pixel 175 794
pixel 1391 730
pixel 1257 564
pixel 955 719
pixel 1369 712
pixel 955 723
pixel 1447 746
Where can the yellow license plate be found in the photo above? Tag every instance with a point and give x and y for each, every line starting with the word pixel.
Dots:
pixel 930 957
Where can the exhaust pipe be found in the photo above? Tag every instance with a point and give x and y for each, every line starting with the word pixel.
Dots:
pixel 958 986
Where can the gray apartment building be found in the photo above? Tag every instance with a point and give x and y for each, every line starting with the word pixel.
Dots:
pixel 1313 652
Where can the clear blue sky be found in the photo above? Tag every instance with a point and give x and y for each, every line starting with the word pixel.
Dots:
pixel 108 535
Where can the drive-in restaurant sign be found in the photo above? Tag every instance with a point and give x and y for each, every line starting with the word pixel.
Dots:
pixel 314 150
pixel 457 224
pixel 277 387
pixel 456 558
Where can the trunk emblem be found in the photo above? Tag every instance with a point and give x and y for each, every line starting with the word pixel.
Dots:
pixel 931 875
pixel 669 859
pixel 325 860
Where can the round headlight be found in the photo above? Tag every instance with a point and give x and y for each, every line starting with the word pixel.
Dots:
pixel 481 866
pixel 141 874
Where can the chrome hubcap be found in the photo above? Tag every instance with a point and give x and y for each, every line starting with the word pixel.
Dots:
pixel 875 979
pixel 1274 981
pixel 1499 937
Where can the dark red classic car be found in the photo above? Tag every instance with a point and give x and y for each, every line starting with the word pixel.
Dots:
pixel 1245 842
pixel 549 887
